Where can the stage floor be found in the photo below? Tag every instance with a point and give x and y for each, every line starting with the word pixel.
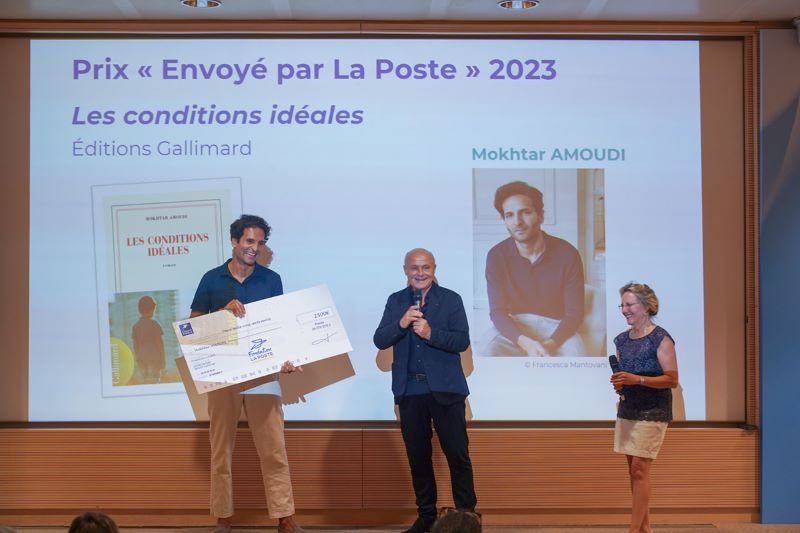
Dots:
pixel 685 528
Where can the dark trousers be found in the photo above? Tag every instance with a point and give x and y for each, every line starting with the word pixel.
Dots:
pixel 416 414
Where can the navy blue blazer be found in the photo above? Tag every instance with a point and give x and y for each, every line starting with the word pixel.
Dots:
pixel 441 354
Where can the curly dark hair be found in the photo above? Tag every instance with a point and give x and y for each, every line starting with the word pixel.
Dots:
pixel 518 187
pixel 249 221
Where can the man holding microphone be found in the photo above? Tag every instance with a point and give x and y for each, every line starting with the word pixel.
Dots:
pixel 427 327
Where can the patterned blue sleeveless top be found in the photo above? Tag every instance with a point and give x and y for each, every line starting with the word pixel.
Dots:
pixel 638 356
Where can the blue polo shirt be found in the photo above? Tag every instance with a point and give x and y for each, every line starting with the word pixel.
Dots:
pixel 218 287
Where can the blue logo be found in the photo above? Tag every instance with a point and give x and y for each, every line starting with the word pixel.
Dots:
pixel 186 329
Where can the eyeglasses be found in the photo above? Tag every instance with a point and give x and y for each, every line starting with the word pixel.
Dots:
pixel 628 306
pixel 444 511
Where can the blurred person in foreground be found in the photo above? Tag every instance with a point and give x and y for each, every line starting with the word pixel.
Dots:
pixel 457 521
pixel 648 373
pixel 93 522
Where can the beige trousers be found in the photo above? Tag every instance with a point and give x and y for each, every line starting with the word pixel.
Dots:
pixel 265 418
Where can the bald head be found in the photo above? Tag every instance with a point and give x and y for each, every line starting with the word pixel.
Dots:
pixel 420 269
pixel 416 251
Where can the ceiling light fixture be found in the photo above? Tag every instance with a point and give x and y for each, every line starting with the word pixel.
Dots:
pixel 202 3
pixel 518 4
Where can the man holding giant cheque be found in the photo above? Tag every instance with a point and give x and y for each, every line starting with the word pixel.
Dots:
pixel 232 285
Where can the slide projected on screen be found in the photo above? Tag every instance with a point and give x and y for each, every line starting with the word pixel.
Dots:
pixel 356 151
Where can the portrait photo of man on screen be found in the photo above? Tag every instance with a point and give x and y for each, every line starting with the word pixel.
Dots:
pixel 542 300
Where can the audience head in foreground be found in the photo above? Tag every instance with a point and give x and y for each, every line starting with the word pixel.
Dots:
pixel 93 522
pixel 457 521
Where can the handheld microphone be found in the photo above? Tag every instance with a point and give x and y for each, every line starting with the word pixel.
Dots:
pixel 416 296
pixel 613 362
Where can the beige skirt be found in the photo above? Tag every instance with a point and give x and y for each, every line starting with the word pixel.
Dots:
pixel 639 438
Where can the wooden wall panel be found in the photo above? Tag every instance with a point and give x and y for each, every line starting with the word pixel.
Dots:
pixel 15 133
pixel 65 469
pixel 351 476
pixel 572 469
pixel 387 479
pixel 394 27
pixel 752 165
pixel 327 468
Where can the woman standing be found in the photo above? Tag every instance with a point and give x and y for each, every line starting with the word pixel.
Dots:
pixel 648 372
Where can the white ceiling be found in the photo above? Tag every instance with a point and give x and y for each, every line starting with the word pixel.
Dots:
pixel 407 10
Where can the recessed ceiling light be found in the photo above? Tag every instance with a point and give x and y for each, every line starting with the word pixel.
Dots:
pixel 202 3
pixel 518 4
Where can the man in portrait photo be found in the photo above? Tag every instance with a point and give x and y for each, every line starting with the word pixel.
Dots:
pixel 535 282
